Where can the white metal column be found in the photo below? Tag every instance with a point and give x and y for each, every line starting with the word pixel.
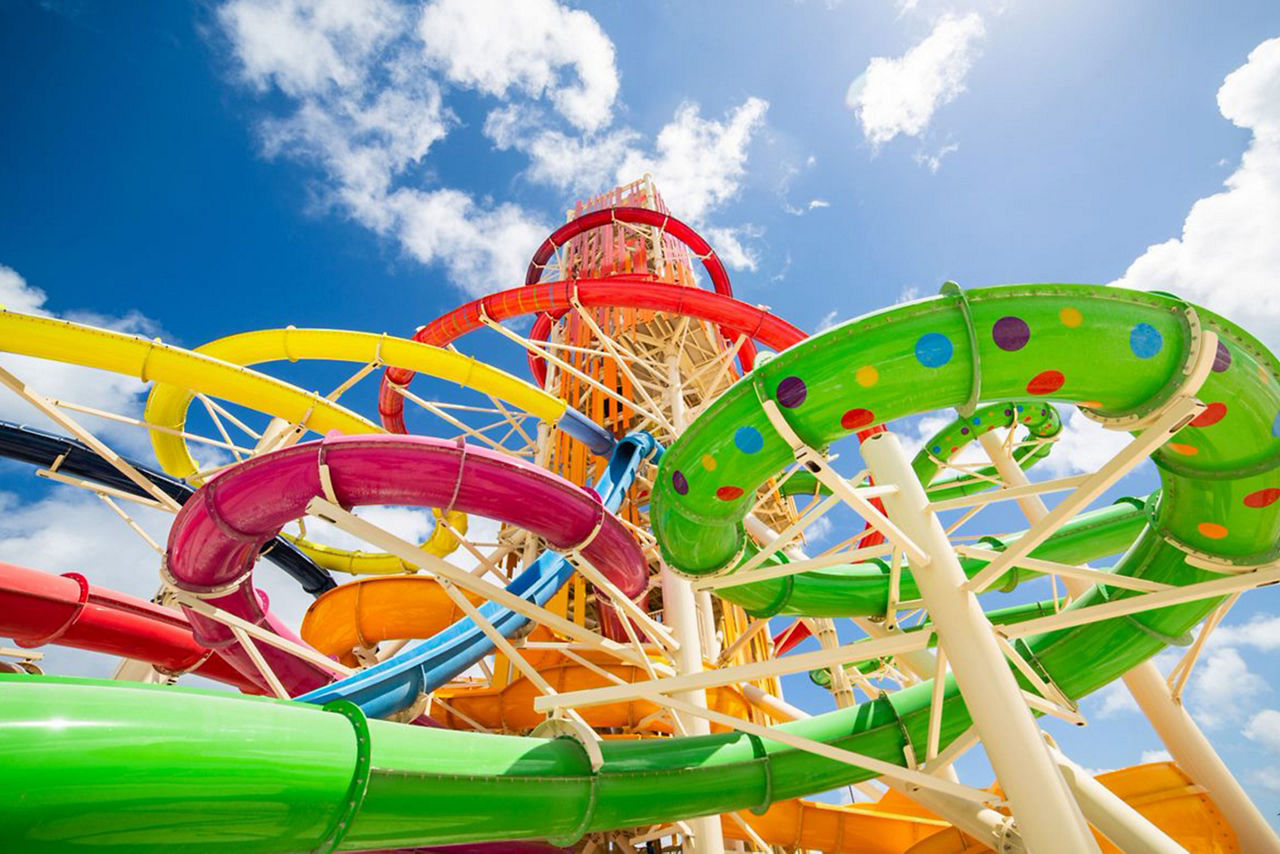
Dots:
pixel 1175 728
pixel 680 610
pixel 1048 818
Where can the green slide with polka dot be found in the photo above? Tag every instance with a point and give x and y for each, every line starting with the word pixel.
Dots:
pixel 1120 355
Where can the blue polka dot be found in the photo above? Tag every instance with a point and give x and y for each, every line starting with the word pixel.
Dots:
pixel 1020 407
pixel 937 449
pixel 933 350
pixel 748 440
pixel 977 421
pixel 1145 340
pixel 1275 426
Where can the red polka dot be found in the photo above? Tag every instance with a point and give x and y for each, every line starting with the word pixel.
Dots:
pixel 729 493
pixel 855 418
pixel 1213 413
pixel 1262 497
pixel 1045 382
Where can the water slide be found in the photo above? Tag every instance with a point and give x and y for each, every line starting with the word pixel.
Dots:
pixel 267 775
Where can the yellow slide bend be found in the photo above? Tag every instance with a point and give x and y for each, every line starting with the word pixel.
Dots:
pixel 167 406
pixel 168 403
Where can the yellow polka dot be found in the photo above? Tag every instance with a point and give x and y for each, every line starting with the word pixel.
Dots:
pixel 1212 530
pixel 708 462
pixel 1179 448
pixel 867 376
pixel 1071 317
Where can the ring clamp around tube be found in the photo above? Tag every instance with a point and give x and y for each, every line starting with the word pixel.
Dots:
pixel 975 388
pixel 353 800
pixel 200 592
pixel 908 749
pixel 775 607
pixel 82 598
pixel 1183 639
pixel 1024 649
pixel 585 738
pixel 1202 348
pixel 761 755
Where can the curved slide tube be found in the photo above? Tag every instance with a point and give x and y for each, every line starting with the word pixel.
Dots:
pixel 167 404
pixel 248 504
pixel 363 783
pixel 38 608
pixel 71 457
pixel 733 316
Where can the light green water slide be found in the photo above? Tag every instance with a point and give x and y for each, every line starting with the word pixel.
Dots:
pixel 92 765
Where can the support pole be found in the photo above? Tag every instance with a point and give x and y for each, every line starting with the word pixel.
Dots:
pixel 1131 831
pixel 1176 730
pixel 1048 818
pixel 680 611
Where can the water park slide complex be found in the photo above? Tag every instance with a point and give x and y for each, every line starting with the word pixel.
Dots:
pixel 689 499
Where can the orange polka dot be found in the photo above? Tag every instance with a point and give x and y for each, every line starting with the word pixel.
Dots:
pixel 1179 448
pixel 1212 530
pixel 1071 317
pixel 708 462
pixel 1090 404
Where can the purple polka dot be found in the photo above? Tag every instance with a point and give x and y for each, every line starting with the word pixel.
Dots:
pixel 791 392
pixel 679 482
pixel 1222 360
pixel 1011 333
pixel 964 431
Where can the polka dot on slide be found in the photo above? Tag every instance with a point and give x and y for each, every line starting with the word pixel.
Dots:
pixel 1045 382
pixel 1221 359
pixel 1263 497
pixel 679 483
pixel 1275 426
pixel 1213 413
pixel 933 350
pixel 855 418
pixel 729 493
pixel 1212 530
pixel 867 376
pixel 1185 450
pixel 1145 340
pixel 791 392
pixel 748 439
pixel 708 462
pixel 1011 333
pixel 1071 317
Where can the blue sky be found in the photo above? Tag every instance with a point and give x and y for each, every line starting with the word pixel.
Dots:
pixel 197 170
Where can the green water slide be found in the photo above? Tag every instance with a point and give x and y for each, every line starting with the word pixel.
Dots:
pixel 111 767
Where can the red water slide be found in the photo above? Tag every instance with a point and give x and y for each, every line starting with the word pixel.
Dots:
pixel 37 608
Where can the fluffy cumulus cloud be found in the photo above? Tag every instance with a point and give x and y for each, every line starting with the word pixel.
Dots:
pixel 367 84
pixel 699 163
pixel 496 47
pixel 900 96
pixel 1227 255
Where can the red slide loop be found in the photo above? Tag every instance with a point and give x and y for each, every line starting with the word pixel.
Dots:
pixel 547 298
pixel 636 216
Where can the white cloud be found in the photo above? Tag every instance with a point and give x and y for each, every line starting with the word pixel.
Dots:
pixel 1112 700
pixel 366 110
pixel 830 319
pixel 1264 728
pixel 495 46
pixel 367 84
pixel 900 96
pixel 1262 632
pixel 1228 253
pixel 934 161
pixel 1082 446
pixel 1155 756
pixel 732 246
pixel 1267 778
pixel 700 162
pixel 1223 673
